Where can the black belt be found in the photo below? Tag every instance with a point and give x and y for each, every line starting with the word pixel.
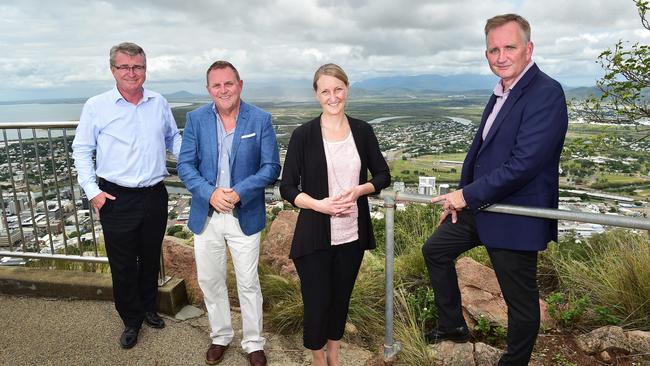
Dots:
pixel 110 185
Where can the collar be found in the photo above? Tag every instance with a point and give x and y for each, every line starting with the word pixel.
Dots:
pixel 216 113
pixel 116 96
pixel 498 89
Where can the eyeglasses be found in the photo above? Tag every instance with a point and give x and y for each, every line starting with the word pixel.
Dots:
pixel 138 69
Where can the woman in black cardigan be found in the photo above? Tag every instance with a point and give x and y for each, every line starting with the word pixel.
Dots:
pixel 326 174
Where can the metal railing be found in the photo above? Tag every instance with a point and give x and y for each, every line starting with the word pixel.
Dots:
pixel 22 204
pixel 392 347
pixel 36 166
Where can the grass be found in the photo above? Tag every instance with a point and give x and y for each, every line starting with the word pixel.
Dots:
pixel 644 193
pixel 73 249
pixel 624 179
pixel 425 165
pixel 612 269
pixel 415 350
pixel 284 307
pixel 283 301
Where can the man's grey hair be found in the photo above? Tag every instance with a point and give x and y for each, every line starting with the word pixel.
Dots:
pixel 128 48
pixel 500 20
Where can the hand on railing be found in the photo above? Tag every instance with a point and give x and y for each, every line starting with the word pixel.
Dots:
pixel 453 202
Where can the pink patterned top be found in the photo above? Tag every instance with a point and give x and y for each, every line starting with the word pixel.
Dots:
pixel 343 166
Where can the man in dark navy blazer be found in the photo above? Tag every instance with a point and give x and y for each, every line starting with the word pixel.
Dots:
pixel 514 159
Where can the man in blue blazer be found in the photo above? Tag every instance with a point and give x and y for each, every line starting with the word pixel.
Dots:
pixel 228 156
pixel 513 159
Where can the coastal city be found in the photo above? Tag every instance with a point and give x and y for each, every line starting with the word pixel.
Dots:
pixel 425 157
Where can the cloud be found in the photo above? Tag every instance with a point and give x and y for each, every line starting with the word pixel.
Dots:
pixel 59 44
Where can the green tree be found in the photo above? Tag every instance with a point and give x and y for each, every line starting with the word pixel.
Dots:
pixel 625 84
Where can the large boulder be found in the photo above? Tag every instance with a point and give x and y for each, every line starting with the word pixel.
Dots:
pixel 639 341
pixel 613 338
pixel 277 243
pixel 482 297
pixel 179 262
pixel 463 354
pixel 448 353
pixel 602 339
pixel 486 355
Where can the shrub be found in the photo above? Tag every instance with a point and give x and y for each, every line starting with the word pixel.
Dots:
pixel 413 226
pixel 567 312
pixel 422 305
pixel 612 269
pixel 174 229
pixel 490 333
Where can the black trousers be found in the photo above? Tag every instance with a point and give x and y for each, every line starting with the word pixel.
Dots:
pixel 134 227
pixel 515 270
pixel 326 281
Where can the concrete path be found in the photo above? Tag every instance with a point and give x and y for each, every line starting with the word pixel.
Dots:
pixel 37 331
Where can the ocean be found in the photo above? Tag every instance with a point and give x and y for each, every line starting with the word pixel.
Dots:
pixel 43 112
pixel 40 112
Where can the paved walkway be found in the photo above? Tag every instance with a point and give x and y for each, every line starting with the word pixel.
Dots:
pixel 37 331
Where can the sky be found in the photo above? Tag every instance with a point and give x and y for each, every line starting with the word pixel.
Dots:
pixel 60 48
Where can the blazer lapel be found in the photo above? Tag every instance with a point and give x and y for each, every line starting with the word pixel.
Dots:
pixel 484 117
pixel 210 129
pixel 242 123
pixel 515 94
pixel 507 106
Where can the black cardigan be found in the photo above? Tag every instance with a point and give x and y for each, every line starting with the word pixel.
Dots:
pixel 305 170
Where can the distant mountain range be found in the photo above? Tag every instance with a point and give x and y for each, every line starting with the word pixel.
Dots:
pixel 386 86
pixel 430 82
pixel 300 90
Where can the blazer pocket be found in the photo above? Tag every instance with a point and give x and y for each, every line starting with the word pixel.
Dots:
pixel 248 136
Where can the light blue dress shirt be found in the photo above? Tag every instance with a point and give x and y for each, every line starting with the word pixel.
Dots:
pixel 130 141
pixel 224 140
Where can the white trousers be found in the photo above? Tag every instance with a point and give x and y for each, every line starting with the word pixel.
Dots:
pixel 221 231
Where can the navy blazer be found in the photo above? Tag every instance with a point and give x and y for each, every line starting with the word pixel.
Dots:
pixel 518 163
pixel 254 164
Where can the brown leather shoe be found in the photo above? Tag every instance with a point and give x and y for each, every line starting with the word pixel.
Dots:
pixel 257 358
pixel 215 354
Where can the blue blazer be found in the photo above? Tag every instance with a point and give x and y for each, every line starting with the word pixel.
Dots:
pixel 254 164
pixel 518 163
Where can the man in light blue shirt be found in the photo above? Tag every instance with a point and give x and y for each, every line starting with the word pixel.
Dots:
pixel 129 129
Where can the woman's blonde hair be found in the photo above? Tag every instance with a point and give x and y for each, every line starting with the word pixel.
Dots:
pixel 330 70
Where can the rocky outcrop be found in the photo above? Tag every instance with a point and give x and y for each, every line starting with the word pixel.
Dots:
pixel 486 355
pixel 604 340
pixel 179 262
pixel 463 354
pixel 639 341
pixel 481 295
pixel 277 243
pixel 179 257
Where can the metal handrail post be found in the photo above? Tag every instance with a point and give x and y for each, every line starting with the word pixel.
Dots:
pixel 162 278
pixel 391 348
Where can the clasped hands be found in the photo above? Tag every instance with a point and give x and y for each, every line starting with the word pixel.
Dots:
pixel 341 204
pixel 224 199
pixel 454 202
